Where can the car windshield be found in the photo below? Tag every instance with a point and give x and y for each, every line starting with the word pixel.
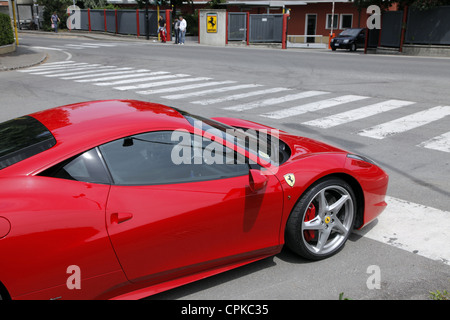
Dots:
pixel 22 138
pixel 263 144
pixel 349 33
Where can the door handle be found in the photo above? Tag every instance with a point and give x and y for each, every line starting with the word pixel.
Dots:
pixel 117 217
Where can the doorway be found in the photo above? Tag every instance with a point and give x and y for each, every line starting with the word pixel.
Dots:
pixel 311 21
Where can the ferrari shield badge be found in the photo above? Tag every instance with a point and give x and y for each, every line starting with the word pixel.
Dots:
pixel 290 179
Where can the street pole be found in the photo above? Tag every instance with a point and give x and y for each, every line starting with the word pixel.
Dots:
pixel 147 26
pixel 13 5
pixel 157 14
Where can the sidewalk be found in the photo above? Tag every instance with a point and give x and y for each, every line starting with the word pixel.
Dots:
pixel 23 57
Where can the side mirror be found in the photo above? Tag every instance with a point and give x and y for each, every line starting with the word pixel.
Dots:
pixel 258 180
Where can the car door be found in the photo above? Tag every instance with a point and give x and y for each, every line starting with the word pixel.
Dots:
pixel 58 223
pixel 166 220
pixel 361 39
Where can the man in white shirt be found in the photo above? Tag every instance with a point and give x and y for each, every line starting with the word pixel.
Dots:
pixel 182 30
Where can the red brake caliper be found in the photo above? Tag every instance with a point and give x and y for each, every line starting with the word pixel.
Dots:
pixel 310 214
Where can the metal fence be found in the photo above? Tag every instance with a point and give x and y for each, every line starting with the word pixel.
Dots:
pixel 266 27
pixel 390 35
pixel 429 27
pixel 130 22
pixel 237 26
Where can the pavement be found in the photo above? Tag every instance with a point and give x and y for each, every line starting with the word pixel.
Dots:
pixel 23 57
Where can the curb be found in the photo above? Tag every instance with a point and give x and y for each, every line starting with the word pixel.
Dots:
pixel 28 65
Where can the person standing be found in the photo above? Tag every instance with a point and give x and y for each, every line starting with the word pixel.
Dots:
pixel 176 27
pixel 55 20
pixel 183 26
pixel 162 28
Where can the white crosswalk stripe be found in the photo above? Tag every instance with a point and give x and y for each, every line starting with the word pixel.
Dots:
pixel 70 71
pixel 36 70
pixel 313 106
pixel 239 96
pixel 162 83
pixel 88 45
pixel 256 98
pixel 131 74
pixel 205 92
pixel 108 72
pixel 440 143
pixel 275 101
pixel 153 77
pixel 357 114
pixel 187 87
pixel 406 123
pixel 68 76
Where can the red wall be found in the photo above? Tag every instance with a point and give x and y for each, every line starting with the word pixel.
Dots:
pixel 298 17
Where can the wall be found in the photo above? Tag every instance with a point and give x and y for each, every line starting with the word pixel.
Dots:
pixel 217 38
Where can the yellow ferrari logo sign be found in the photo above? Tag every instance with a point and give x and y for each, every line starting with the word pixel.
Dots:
pixel 327 219
pixel 290 179
pixel 211 23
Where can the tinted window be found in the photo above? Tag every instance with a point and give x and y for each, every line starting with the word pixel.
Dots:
pixel 87 167
pixel 259 142
pixel 168 157
pixel 22 138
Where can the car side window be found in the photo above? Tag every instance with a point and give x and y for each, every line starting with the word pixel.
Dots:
pixel 86 167
pixel 165 157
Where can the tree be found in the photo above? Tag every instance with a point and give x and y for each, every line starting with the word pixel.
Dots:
pixel 215 4
pixel 93 4
pixel 385 4
pixel 58 6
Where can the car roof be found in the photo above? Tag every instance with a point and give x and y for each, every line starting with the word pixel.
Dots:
pixel 98 121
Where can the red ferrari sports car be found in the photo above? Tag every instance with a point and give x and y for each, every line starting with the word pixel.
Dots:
pixel 123 199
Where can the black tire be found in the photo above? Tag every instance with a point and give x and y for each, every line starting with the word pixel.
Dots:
pixel 353 47
pixel 322 219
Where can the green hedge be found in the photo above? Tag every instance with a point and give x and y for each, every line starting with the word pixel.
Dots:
pixel 6 31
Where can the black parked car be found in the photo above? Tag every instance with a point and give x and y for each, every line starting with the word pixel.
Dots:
pixel 352 39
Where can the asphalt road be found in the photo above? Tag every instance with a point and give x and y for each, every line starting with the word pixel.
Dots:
pixel 390 92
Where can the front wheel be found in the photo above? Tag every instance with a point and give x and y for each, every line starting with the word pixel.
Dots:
pixel 322 220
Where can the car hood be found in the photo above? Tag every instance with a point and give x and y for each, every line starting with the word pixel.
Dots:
pixel 344 38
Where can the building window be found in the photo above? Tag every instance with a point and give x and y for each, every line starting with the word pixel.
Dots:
pixel 346 21
pixel 335 19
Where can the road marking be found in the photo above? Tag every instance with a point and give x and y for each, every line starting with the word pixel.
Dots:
pixel 57 62
pixel 131 74
pixel 80 46
pixel 187 87
pixel 69 55
pixel 151 78
pixel 52 67
pixel 440 143
pixel 96 70
pixel 273 101
pixel 313 106
pixel 239 96
pixel 161 83
pixel 413 227
pixel 101 44
pixel 108 72
pixel 357 114
pixel 406 123
pixel 205 92
pixel 60 73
